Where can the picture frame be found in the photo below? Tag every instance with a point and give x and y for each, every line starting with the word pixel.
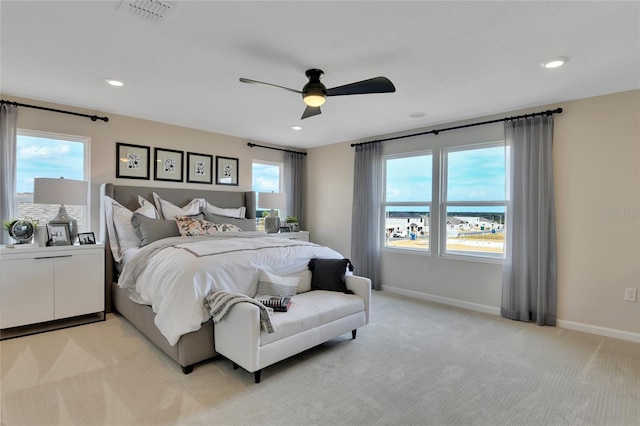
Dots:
pixel 58 234
pixel 226 171
pixel 86 238
pixel 132 161
pixel 199 168
pixel 168 165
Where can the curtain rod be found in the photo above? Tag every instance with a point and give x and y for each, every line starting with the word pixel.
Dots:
pixel 436 131
pixel 92 117
pixel 251 145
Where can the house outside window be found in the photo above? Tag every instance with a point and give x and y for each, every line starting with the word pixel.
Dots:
pixel 266 176
pixel 49 155
pixel 472 210
pixel 407 201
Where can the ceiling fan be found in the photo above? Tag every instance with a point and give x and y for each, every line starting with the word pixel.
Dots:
pixel 314 93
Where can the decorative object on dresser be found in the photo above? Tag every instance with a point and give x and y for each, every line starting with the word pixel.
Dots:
pixel 61 191
pixel 86 238
pixel 132 161
pixel 292 222
pixel 46 288
pixel 58 234
pixel 226 171
pixel 199 168
pixel 273 201
pixel 168 165
pixel 21 230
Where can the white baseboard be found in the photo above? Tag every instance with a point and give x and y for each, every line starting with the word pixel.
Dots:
pixel 444 300
pixel 569 325
pixel 600 331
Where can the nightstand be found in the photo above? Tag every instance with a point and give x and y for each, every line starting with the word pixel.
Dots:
pixel 300 235
pixel 46 288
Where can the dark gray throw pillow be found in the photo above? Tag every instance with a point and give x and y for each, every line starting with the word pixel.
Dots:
pixel 150 230
pixel 329 274
pixel 244 224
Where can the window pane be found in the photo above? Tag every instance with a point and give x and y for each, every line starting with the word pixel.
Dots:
pixel 51 158
pixel 476 174
pixel 264 178
pixel 408 179
pixel 407 227
pixel 475 230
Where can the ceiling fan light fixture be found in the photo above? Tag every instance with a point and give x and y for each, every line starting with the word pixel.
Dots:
pixel 314 100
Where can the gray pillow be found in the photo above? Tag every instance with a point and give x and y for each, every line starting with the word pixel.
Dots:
pixel 244 224
pixel 150 230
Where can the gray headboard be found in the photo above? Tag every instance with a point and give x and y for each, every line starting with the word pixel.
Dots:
pixel 128 197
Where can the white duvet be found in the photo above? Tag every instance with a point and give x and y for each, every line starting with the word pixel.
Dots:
pixel 175 274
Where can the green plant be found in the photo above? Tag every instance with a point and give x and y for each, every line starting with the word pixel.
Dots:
pixel 6 224
pixel 291 219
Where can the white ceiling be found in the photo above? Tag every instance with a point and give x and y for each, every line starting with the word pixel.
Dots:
pixel 449 60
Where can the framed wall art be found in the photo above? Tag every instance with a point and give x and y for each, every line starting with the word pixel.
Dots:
pixel 226 171
pixel 168 165
pixel 199 168
pixel 132 161
pixel 86 238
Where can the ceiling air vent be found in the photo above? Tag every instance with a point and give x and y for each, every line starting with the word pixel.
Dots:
pixel 149 10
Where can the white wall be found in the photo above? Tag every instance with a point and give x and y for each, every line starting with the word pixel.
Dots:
pixel 597 171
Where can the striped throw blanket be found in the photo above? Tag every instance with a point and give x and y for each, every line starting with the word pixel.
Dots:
pixel 219 303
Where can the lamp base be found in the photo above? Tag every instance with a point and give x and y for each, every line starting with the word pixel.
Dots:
pixel 271 224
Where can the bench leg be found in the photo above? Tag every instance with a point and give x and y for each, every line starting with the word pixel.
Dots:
pixel 188 369
pixel 235 366
pixel 256 376
pixel 353 334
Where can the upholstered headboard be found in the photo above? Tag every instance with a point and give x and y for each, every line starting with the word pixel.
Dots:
pixel 128 197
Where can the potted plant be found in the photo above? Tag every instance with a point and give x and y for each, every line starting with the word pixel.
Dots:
pixel 292 222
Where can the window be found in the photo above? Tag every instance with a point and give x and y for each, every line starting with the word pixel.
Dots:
pixel 266 177
pixel 473 200
pixel 407 200
pixel 50 155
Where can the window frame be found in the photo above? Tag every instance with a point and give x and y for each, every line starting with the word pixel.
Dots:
pixel 443 204
pixel 86 141
pixel 383 208
pixel 280 166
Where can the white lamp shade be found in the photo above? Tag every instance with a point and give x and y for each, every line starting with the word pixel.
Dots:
pixel 60 191
pixel 272 200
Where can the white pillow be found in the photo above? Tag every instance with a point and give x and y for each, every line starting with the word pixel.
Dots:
pixel 305 281
pixel 149 205
pixel 169 210
pixel 274 285
pixel 234 212
pixel 121 233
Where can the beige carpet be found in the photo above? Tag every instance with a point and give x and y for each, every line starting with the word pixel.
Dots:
pixel 416 363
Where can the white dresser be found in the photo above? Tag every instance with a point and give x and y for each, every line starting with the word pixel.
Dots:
pixel 44 288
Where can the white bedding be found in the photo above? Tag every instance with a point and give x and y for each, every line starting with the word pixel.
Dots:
pixel 175 274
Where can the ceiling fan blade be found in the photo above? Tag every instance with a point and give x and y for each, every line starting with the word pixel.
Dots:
pixel 372 85
pixel 246 80
pixel 310 112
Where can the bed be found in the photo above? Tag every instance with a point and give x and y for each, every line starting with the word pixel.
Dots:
pixel 193 341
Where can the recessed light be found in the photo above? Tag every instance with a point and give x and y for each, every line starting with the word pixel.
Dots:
pixel 296 127
pixel 417 114
pixel 115 83
pixel 555 62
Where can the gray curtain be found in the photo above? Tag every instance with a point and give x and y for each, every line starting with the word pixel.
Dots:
pixel 365 222
pixel 8 134
pixel 293 183
pixel 530 268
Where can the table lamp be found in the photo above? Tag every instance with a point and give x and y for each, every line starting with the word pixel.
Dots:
pixel 273 201
pixel 61 191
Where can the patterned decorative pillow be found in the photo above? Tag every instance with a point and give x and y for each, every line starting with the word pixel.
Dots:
pixel 274 285
pixel 192 226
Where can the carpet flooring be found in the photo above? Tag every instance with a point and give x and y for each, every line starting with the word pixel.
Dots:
pixel 415 363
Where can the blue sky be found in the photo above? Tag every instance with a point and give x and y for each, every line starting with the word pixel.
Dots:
pixel 41 157
pixel 265 178
pixel 472 175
